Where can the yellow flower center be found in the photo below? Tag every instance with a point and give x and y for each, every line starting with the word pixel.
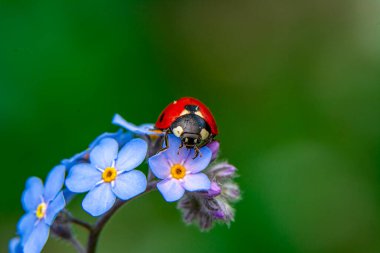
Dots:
pixel 41 210
pixel 109 174
pixel 178 171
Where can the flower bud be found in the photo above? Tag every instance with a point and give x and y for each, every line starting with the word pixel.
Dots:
pixel 218 215
pixel 222 171
pixel 231 191
pixel 205 211
pixel 214 190
pixel 225 212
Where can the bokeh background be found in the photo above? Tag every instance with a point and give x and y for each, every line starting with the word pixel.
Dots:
pixel 294 86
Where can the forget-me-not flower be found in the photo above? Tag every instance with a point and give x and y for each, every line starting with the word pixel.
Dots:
pixel 179 171
pixel 41 204
pixel 109 175
pixel 120 136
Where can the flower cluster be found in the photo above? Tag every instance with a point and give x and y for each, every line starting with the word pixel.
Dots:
pixel 178 171
pixel 107 173
pixel 206 208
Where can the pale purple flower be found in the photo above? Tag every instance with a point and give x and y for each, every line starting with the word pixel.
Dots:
pixel 179 171
pixel 214 147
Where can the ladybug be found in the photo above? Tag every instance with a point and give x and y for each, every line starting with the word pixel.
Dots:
pixel 191 121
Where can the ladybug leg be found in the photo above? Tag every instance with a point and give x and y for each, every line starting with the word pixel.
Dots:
pixel 166 141
pixel 180 146
pixel 197 149
pixel 197 152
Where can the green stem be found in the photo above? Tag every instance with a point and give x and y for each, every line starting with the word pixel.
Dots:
pixel 102 221
pixel 81 223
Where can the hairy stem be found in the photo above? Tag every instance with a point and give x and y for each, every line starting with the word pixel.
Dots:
pixel 102 221
pixel 77 245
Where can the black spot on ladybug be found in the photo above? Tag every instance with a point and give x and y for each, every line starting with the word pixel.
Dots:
pixel 162 117
pixel 192 108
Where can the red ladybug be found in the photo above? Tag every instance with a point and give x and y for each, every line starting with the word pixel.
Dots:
pixel 190 120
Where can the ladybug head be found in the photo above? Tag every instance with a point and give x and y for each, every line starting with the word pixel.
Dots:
pixel 190 139
pixel 191 129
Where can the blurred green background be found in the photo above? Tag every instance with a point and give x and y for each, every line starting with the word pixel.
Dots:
pixel 293 85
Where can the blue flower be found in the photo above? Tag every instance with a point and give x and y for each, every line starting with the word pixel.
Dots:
pixel 120 136
pixel 179 170
pixel 41 204
pixel 109 175
pixel 145 129
pixel 15 245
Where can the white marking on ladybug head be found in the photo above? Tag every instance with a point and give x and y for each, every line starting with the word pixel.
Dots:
pixel 186 139
pixel 184 112
pixel 178 131
pixel 199 114
pixel 204 134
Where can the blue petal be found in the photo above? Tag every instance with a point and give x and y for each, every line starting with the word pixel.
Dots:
pixel 15 245
pixel 171 189
pixel 54 182
pixel 99 200
pixel 37 238
pixel 103 155
pixel 119 136
pixel 32 195
pixel 77 158
pixel 149 127
pixel 174 154
pixel 54 208
pixel 123 138
pixel 129 184
pixel 131 155
pixel 199 163
pixel 83 177
pixel 159 165
pixel 142 130
pixel 196 182
pixel 26 225
pixel 85 154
